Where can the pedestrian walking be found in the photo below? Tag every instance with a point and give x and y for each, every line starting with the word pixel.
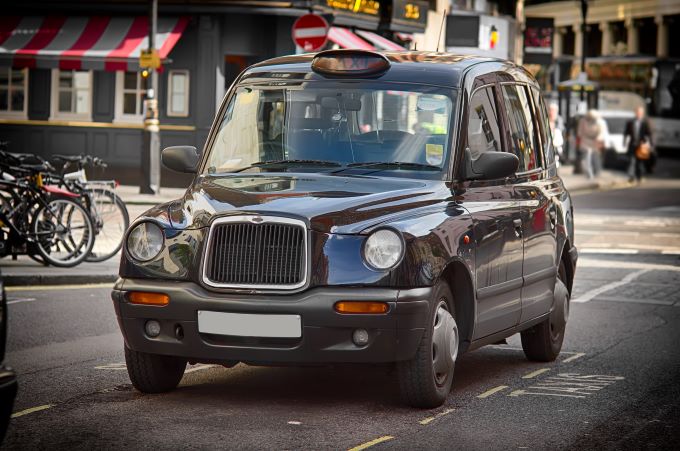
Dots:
pixel 590 134
pixel 638 138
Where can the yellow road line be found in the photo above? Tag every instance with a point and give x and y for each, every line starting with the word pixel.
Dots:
pixel 58 287
pixel 384 438
pixel 578 355
pixel 429 420
pixel 535 373
pixel 21 413
pixel 488 393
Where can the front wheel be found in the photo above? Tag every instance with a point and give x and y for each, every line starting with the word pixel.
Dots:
pixel 154 373
pixel 111 221
pixel 425 381
pixel 63 232
pixel 543 342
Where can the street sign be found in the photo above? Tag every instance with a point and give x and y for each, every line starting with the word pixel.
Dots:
pixel 310 32
pixel 149 59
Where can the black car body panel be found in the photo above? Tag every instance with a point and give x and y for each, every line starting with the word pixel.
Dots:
pixel 498 243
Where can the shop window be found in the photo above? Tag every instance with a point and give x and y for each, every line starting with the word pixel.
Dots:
pixel 130 93
pixel 13 89
pixel 178 93
pixel 71 95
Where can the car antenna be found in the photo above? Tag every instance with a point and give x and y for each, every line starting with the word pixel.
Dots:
pixel 441 27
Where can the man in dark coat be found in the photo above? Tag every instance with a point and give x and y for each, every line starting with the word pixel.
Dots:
pixel 637 131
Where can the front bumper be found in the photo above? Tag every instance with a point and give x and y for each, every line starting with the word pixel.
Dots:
pixel 326 334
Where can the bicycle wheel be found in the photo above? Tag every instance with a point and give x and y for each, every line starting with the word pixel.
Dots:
pixel 63 232
pixel 111 221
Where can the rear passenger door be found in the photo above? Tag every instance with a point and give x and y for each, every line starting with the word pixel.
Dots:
pixel 496 220
pixel 537 211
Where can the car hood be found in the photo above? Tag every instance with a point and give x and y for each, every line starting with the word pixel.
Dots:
pixel 328 203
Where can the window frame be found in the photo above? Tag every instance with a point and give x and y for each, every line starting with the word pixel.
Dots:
pixel 55 114
pixel 15 114
pixel 541 111
pixel 185 112
pixel 119 114
pixel 540 164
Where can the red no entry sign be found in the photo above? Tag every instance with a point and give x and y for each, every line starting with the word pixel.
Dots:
pixel 310 32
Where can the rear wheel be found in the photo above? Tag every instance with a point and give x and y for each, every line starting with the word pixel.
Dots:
pixel 111 221
pixel 543 342
pixel 154 373
pixel 425 381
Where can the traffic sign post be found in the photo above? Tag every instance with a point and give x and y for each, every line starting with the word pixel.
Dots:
pixel 310 32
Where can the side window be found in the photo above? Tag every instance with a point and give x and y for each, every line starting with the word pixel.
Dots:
pixel 483 134
pixel 521 125
pixel 546 135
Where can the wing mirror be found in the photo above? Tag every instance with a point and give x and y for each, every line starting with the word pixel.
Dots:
pixel 181 158
pixel 489 165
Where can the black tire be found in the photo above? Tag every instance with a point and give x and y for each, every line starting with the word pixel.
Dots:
pixel 419 383
pixel 543 342
pixel 153 373
pixel 43 232
pixel 99 253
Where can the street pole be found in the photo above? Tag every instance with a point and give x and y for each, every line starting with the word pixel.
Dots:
pixel 584 36
pixel 151 143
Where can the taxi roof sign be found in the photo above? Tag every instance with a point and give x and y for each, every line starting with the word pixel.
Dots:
pixel 341 63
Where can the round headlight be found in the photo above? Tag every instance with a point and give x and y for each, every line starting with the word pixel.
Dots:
pixel 383 249
pixel 145 241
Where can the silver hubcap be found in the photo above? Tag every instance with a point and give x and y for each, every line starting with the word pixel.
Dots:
pixel 560 315
pixel 444 344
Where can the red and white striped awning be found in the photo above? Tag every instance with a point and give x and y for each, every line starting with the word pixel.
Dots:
pixel 379 41
pixel 347 40
pixel 100 43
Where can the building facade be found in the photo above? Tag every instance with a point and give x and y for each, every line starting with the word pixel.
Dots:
pixel 70 81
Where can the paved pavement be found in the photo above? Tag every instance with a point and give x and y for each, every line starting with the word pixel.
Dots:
pixel 615 385
pixel 25 271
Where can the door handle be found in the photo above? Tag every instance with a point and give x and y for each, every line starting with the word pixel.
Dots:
pixel 518 227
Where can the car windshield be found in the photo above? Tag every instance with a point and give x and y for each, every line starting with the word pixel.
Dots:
pixel 348 127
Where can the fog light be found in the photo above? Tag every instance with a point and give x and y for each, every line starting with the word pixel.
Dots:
pixel 152 328
pixel 360 337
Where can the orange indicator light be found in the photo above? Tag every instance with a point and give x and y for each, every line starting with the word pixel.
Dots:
pixel 144 298
pixel 361 307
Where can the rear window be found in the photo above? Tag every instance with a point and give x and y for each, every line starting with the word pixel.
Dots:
pixel 616 125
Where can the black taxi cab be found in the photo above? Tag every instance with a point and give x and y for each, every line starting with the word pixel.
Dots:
pixel 353 206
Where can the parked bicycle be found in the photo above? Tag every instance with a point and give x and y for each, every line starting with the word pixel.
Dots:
pixel 44 221
pixel 108 211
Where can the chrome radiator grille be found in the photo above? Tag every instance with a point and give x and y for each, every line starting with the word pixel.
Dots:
pixel 256 252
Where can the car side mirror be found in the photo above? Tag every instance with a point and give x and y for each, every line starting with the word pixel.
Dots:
pixel 489 165
pixel 181 158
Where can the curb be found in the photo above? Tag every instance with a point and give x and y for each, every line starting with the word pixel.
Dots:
pixel 11 280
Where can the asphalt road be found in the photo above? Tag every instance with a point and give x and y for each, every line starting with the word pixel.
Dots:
pixel 615 385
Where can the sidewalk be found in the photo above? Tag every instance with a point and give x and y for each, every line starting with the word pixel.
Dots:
pixel 579 182
pixel 24 271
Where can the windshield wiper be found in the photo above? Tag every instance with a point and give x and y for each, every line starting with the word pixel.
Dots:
pixel 260 164
pixel 391 165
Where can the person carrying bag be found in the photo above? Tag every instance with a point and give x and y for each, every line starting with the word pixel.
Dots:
pixel 638 135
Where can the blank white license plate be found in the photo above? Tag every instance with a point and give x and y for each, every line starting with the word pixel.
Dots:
pixel 249 325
